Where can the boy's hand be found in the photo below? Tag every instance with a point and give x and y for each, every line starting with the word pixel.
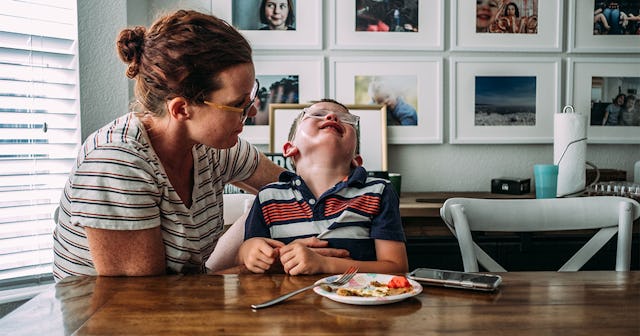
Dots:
pixel 320 247
pixel 258 254
pixel 296 258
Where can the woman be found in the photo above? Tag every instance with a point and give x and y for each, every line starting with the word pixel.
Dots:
pixel 277 14
pixel 145 195
pixel 512 16
pixel 612 112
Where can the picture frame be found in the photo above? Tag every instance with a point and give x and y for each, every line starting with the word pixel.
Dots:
pixel 580 93
pixel 430 34
pixel 582 39
pixel 310 73
pixel 424 83
pixel 467 102
pixel 549 36
pixel 373 131
pixel 308 24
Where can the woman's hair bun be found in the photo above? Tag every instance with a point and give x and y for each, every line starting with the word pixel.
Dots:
pixel 130 46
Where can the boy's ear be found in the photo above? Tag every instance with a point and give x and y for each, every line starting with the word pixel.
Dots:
pixel 289 149
pixel 356 161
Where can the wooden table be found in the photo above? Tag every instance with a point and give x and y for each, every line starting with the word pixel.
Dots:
pixel 528 303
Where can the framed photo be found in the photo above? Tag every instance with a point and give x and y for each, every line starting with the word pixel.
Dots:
pixel 503 100
pixel 410 87
pixel 378 25
pixel 603 26
pixel 274 24
pixel 609 92
pixel 283 79
pixel 373 131
pixel 508 25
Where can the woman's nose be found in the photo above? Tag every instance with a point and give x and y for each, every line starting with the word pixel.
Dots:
pixel 253 110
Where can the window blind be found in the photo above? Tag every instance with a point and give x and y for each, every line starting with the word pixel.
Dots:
pixel 39 130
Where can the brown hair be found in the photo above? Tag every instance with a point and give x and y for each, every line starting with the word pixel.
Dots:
pixel 180 55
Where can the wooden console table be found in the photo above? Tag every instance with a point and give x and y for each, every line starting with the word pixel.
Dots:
pixel 428 204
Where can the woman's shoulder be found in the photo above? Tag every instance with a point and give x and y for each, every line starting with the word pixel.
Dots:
pixel 124 132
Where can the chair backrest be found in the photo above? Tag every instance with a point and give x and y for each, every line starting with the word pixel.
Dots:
pixel 235 205
pixel 610 214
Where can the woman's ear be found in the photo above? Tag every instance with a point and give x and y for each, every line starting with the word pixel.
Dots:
pixel 177 108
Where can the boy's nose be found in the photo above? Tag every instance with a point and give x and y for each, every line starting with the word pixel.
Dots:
pixel 332 116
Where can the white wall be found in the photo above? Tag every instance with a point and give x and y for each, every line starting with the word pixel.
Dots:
pixel 443 167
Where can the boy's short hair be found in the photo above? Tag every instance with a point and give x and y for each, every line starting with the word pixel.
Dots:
pixel 296 121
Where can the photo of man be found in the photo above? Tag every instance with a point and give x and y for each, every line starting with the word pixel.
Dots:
pixel 397 93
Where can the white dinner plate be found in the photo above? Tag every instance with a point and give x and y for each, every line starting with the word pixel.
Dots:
pixel 361 280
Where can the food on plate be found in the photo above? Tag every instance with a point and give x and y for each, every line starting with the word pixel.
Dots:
pixel 396 286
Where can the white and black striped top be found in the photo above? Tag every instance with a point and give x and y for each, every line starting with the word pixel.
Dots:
pixel 118 183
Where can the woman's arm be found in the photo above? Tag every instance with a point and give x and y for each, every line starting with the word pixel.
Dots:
pixel 114 254
pixel 265 173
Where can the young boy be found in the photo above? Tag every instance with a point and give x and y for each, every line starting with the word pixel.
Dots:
pixel 330 198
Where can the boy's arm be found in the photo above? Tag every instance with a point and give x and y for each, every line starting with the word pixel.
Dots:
pixel 299 259
pixel 259 254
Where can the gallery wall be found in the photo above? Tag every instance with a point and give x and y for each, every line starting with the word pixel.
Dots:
pixel 425 166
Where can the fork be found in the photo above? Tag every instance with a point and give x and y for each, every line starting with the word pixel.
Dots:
pixel 343 279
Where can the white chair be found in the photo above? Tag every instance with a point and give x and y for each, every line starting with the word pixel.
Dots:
pixel 610 214
pixel 236 208
pixel 235 205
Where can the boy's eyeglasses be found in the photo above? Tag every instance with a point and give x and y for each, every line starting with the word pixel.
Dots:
pixel 345 118
pixel 244 110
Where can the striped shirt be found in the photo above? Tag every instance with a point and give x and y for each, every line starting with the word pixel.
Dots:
pixel 350 216
pixel 119 183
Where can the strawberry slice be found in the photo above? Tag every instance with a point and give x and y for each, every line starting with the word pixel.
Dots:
pixel 398 282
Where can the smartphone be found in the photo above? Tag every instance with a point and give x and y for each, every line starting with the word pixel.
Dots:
pixel 455 279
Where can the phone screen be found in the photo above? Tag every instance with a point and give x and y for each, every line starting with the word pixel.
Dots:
pixel 456 279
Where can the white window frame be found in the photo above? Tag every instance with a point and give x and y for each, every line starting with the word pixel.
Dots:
pixel 39 135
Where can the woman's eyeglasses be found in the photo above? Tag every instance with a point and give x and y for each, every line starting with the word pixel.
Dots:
pixel 244 110
pixel 345 118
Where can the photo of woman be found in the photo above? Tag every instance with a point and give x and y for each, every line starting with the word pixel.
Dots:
pixel 507 16
pixel 264 14
pixel 277 15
